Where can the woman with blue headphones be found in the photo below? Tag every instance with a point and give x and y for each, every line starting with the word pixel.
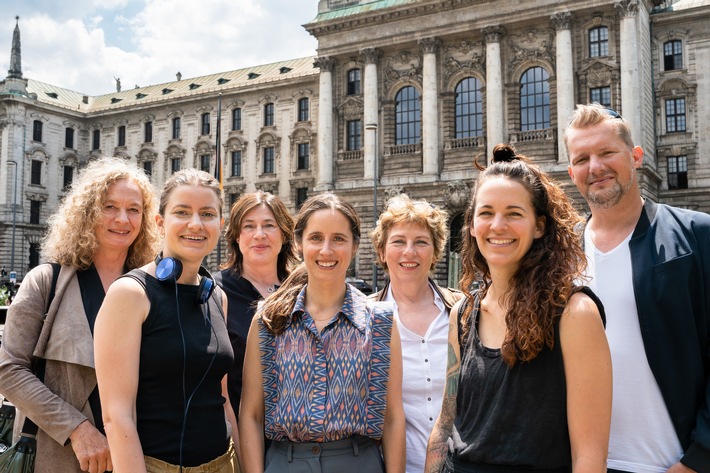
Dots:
pixel 162 348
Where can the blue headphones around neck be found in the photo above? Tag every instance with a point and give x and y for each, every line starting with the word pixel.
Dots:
pixel 169 270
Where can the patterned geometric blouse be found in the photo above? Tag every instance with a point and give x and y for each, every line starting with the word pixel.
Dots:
pixel 321 387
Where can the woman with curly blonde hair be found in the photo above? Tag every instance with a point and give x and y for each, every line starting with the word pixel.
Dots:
pixel 104 227
pixel 529 372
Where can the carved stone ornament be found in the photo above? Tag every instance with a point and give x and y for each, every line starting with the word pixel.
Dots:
pixel 391 192
pixel 402 66
pixel 465 57
pixel 562 20
pixel 456 196
pixel 493 33
pixel 429 45
pixel 325 63
pixel 599 75
pixel 627 8
pixel 531 45
pixel 372 55
pixel 351 108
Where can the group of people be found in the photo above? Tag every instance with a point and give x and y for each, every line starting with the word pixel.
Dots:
pixel 571 345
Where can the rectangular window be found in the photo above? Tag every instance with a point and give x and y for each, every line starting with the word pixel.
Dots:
pixel 36 178
pixel 176 128
pixel 96 144
pixel 148 132
pixel 68 176
pixel 600 95
pixel 69 138
pixel 354 82
pixel 174 165
pixel 236 163
pixel 35 207
pixel 268 160
pixel 677 172
pixel 301 196
pixel 122 135
pixel 205 124
pixel 675 115
pixel 34 255
pixel 354 138
pixel 673 55
pixel 233 197
pixel 148 168
pixel 37 131
pixel 303 112
pixel 269 114
pixel 599 41
pixel 303 155
pixel 205 162
pixel 236 119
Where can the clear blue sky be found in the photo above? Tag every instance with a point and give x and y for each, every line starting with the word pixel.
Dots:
pixel 83 44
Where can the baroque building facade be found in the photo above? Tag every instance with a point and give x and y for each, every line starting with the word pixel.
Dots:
pixel 402 97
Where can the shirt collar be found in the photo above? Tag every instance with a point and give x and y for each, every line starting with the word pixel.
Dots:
pixel 353 309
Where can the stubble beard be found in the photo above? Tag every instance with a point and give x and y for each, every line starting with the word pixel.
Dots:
pixel 608 198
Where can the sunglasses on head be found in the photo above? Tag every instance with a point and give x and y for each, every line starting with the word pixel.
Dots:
pixel 612 113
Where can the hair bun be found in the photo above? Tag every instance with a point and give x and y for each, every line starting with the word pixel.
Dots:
pixel 504 153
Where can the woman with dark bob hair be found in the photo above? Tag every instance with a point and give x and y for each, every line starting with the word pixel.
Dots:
pixel 529 374
pixel 104 227
pixel 259 235
pixel 323 373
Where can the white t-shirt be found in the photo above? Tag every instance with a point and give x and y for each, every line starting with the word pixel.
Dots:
pixel 423 378
pixel 643 439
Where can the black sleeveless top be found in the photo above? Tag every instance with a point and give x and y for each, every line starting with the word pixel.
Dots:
pixel 511 417
pixel 161 399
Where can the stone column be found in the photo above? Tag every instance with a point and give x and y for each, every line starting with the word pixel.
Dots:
pixel 629 65
pixel 565 78
pixel 430 111
pixel 494 89
pixel 370 112
pixel 324 180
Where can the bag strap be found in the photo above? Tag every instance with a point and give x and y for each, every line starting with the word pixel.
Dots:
pixel 30 427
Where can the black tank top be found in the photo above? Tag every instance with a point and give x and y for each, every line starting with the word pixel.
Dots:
pixel 511 417
pixel 161 400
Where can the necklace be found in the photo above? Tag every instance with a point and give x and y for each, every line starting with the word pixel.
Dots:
pixel 268 288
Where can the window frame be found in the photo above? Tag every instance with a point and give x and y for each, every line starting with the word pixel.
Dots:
pixel 35 211
pixel 121 131
pixel 543 121
pixel 148 132
pixel 678 175
pixel 67 176
pixel 676 122
pixel 269 160
pixel 303 157
pixel 599 92
pixel 205 124
pixel 353 136
pixel 37 131
pixel 675 58
pixel 303 109
pixel 460 106
pixel 598 47
pixel 205 163
pixel 36 172
pixel 406 118
pixel 176 128
pixel 69 137
pixel 96 140
pixel 236 166
pixel 354 81
pixel 269 114
pixel 236 119
pixel 173 168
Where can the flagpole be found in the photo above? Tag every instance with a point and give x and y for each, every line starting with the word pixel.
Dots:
pixel 218 167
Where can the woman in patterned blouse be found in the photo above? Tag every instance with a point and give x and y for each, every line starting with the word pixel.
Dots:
pixel 323 368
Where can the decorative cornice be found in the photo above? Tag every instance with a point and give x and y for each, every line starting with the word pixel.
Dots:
pixel 562 20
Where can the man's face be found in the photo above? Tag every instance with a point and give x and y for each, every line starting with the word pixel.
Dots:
pixel 602 166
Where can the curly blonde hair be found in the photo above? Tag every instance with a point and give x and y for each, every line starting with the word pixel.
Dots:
pixel 71 237
pixel 402 209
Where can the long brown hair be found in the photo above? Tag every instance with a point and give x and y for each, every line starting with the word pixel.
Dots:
pixel 246 203
pixel 543 282
pixel 278 307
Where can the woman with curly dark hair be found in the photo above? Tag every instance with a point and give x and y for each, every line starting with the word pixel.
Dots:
pixel 529 373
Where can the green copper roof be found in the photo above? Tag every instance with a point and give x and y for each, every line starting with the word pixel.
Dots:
pixel 361 8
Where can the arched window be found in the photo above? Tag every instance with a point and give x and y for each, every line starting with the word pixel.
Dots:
pixel 469 108
pixel 534 99
pixel 408 116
